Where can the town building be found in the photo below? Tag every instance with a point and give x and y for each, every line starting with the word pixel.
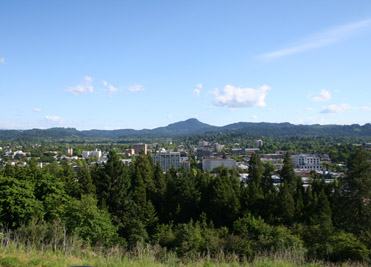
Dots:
pixel 306 162
pixel 88 154
pixel 139 147
pixel 259 143
pixel 210 164
pixel 218 147
pixel 168 160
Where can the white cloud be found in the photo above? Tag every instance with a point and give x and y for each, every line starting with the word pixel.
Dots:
pixel 254 117
pixel 233 97
pixel 37 110
pixel 366 108
pixel 54 119
pixel 83 88
pixel 110 88
pixel 324 95
pixel 197 90
pixel 136 88
pixel 335 109
pixel 320 39
pixel 169 116
pixel 2 60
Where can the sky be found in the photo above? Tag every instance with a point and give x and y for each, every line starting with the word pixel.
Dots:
pixel 145 64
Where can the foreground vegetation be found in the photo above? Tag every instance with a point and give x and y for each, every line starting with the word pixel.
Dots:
pixel 16 254
pixel 185 216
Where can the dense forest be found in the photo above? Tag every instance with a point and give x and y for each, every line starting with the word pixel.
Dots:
pixel 191 212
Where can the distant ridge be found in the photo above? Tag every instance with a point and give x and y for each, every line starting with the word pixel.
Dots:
pixel 195 127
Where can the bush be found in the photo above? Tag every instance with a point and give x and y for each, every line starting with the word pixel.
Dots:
pixel 345 246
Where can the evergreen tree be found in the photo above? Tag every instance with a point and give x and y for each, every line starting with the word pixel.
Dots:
pixel 85 181
pixel 286 205
pixel 356 191
pixel 255 169
pixel 287 173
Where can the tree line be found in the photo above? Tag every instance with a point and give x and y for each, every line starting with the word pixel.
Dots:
pixel 192 212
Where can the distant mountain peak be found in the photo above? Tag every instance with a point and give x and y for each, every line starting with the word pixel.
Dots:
pixel 188 125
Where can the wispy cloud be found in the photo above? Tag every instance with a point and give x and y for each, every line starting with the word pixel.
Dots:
pixel 324 95
pixel 366 108
pixel 234 97
pixel 335 109
pixel 254 117
pixel 136 88
pixel 320 39
pixel 197 90
pixel 83 88
pixel 55 120
pixel 110 89
pixel 2 60
pixel 37 110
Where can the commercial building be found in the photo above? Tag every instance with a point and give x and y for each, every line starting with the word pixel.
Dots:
pixel 168 160
pixel 140 147
pixel 218 147
pixel 259 143
pixel 88 154
pixel 306 162
pixel 210 164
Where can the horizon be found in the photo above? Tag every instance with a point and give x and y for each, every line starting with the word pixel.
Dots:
pixel 67 127
pixel 130 65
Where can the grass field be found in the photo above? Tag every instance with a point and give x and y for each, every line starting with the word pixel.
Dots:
pixel 12 254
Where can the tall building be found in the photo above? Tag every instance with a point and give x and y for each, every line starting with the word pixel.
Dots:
pixel 210 164
pixel 88 154
pixel 259 143
pixel 139 147
pixel 168 160
pixel 218 147
pixel 306 162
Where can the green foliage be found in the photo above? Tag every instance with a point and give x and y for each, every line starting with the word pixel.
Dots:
pixel 93 225
pixel 18 203
pixel 345 247
pixel 356 191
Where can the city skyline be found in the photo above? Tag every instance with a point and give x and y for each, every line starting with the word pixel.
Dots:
pixel 125 64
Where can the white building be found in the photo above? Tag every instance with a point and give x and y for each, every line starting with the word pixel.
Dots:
pixel 88 154
pixel 168 160
pixel 306 162
pixel 218 147
pixel 210 164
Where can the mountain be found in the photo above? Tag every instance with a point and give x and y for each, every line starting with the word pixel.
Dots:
pixel 194 127
pixel 190 126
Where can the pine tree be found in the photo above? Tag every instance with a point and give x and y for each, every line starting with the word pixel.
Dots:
pixel 255 169
pixel 287 173
pixel 286 205
pixel 85 181
pixel 356 191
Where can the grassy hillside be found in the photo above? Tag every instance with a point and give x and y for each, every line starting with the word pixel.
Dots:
pixel 20 255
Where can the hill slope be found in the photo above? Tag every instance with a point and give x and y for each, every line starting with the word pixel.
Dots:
pixel 195 127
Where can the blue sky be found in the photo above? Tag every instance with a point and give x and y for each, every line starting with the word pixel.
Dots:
pixel 145 64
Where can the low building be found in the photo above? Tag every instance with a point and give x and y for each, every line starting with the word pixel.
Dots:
pixel 210 164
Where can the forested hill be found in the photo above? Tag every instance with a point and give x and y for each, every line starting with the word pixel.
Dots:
pixel 195 127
